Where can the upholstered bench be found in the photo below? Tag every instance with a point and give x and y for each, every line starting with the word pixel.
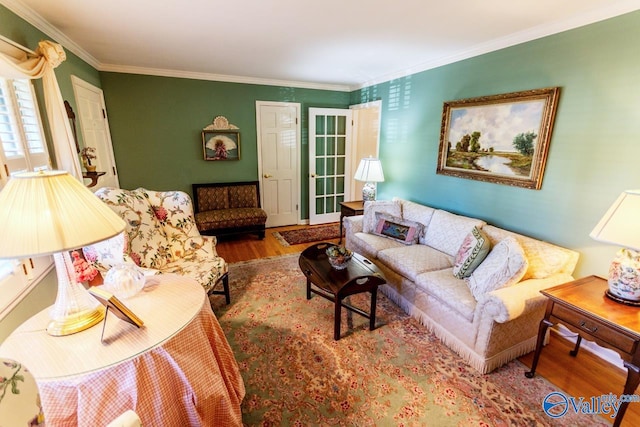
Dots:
pixel 229 208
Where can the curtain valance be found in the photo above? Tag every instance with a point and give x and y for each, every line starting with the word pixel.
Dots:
pixel 41 64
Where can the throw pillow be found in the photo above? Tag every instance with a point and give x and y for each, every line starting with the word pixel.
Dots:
pixel 505 265
pixel 369 221
pixel 393 227
pixel 474 249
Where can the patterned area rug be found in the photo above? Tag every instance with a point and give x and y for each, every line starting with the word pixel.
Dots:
pixel 397 375
pixel 308 234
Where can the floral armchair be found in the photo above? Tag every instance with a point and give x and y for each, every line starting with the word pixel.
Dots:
pixel 161 234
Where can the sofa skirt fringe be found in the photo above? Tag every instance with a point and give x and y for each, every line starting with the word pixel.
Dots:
pixel 480 364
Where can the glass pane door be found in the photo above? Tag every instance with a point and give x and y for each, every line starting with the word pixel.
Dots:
pixel 329 163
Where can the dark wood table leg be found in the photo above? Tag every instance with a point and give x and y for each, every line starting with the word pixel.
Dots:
pixel 308 289
pixel 337 315
pixel 633 378
pixel 341 218
pixel 372 312
pixel 574 352
pixel 542 331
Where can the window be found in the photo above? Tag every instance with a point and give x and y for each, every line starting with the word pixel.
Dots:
pixel 23 149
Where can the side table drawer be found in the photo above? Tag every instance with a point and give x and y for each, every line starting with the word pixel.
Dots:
pixel 595 328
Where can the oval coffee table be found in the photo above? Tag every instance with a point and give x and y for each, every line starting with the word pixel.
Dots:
pixel 361 275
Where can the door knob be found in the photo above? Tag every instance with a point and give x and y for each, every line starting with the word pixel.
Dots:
pixel 313 175
pixel 267 175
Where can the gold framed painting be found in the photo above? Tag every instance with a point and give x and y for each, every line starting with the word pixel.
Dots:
pixel 221 144
pixel 502 139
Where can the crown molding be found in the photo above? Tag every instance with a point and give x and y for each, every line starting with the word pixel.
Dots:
pixel 619 7
pixel 41 24
pixel 611 10
pixel 220 77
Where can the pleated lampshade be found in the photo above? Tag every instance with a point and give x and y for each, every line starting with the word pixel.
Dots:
pixel 46 212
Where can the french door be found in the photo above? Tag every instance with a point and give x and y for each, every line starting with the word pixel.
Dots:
pixel 329 163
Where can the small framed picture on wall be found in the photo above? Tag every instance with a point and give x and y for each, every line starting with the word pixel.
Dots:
pixel 221 144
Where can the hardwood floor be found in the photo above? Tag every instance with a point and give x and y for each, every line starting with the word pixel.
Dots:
pixel 246 247
pixel 583 376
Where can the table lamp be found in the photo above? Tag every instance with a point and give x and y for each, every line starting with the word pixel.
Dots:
pixel 621 226
pixel 370 171
pixel 50 212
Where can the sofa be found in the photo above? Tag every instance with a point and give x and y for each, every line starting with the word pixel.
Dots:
pixel 223 209
pixel 474 285
pixel 161 237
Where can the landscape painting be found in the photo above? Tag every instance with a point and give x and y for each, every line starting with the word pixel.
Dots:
pixel 501 139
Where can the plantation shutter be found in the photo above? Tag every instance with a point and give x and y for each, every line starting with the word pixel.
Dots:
pixel 23 144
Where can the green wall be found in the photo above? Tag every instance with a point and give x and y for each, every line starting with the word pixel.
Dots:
pixel 156 125
pixel 594 148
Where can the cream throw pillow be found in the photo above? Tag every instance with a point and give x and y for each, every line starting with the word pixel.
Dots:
pixel 504 266
pixel 472 252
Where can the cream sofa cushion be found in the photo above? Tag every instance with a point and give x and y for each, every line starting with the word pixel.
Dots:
pixel 412 260
pixel 447 231
pixel 545 259
pixel 451 291
pixel 505 265
pixel 372 244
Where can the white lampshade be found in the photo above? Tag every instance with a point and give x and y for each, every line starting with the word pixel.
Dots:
pixel 50 212
pixel 621 224
pixel 42 213
pixel 369 170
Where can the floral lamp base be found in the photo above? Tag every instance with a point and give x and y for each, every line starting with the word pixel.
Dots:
pixel 624 277
pixel 369 191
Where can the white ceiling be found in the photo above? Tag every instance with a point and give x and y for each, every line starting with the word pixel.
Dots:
pixel 333 44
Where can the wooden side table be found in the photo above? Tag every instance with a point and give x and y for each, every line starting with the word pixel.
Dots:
pixel 582 307
pixel 350 209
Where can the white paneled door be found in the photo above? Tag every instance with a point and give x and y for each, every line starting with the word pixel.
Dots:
pixel 278 125
pixel 94 126
pixel 329 163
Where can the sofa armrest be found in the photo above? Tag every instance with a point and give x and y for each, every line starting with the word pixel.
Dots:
pixel 511 302
pixel 353 224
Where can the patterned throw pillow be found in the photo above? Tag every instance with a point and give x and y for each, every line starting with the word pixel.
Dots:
pixel 369 221
pixel 472 252
pixel 393 227
pixel 504 266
